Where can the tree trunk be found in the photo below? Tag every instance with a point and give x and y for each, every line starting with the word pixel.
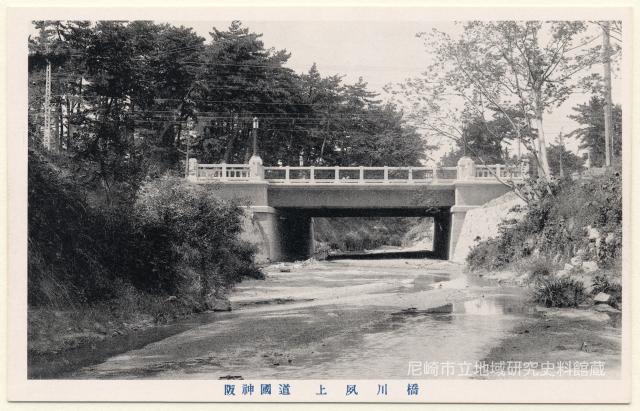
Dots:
pixel 541 144
pixel 230 144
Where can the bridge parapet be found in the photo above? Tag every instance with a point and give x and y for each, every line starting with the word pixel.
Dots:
pixel 351 175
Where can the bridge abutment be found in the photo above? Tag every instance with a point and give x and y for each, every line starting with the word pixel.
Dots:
pixel 469 195
pixel 262 228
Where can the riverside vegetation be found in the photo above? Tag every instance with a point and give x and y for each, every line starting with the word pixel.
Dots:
pixel 567 246
pixel 94 270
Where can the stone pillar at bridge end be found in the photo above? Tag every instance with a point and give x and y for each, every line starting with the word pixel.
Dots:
pixel 256 169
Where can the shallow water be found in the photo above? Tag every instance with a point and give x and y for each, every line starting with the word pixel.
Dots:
pixel 338 319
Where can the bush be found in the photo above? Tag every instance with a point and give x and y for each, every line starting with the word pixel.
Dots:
pixel 176 239
pixel 540 270
pixel 559 292
pixel 203 233
pixel 603 284
pixel 554 225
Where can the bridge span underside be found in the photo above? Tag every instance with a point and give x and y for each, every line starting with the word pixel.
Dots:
pixel 296 226
pixel 280 215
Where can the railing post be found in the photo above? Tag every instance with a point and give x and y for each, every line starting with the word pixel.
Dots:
pixel 193 169
pixel 498 167
pixel 466 169
pixel 224 171
pixel 336 174
pixel 312 174
pixel 434 171
pixel 361 179
pixel 410 175
pixel 286 174
pixel 386 174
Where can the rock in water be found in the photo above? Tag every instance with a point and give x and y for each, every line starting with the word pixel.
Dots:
pixel 601 298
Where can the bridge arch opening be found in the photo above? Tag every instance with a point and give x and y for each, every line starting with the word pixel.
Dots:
pixel 299 239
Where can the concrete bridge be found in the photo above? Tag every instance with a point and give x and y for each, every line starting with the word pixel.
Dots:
pixel 281 202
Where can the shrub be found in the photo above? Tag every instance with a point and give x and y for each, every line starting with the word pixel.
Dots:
pixel 540 270
pixel 559 292
pixel 487 254
pixel 603 284
pixel 395 240
pixel 203 232
pixel 553 225
pixel 352 241
pixel 177 239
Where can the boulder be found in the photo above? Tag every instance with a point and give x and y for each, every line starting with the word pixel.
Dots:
pixel 590 266
pixel 576 261
pixel 601 298
pixel 568 267
pixel 218 303
pixel 610 238
pixel 593 233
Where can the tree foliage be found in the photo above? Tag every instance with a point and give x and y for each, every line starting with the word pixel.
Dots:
pixel 590 116
pixel 518 69
pixel 134 99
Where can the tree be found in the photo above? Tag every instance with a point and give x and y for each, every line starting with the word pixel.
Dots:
pixel 502 67
pixel 562 159
pixel 486 141
pixel 591 132
pixel 126 94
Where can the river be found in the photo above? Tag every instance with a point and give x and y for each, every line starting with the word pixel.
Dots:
pixel 334 319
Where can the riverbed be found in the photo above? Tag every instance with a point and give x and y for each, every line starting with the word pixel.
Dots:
pixel 340 319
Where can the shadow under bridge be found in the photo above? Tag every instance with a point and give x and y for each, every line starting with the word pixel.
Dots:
pixel 296 226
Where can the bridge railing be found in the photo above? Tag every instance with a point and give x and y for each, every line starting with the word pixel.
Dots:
pixel 498 170
pixel 223 172
pixel 351 175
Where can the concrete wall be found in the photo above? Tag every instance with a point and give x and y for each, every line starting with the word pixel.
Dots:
pixel 481 223
pixel 361 196
pixel 477 193
pixel 279 218
pixel 469 195
pixel 263 229
pixel 248 193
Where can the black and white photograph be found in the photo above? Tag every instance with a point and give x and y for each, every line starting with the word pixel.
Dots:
pixel 297 208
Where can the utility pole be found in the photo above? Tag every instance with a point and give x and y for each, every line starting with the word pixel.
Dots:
pixel 190 132
pixel 606 61
pixel 47 107
pixel 560 137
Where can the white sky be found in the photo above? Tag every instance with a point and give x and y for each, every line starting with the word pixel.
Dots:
pixel 380 52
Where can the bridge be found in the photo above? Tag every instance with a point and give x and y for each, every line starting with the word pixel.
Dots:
pixel 281 202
